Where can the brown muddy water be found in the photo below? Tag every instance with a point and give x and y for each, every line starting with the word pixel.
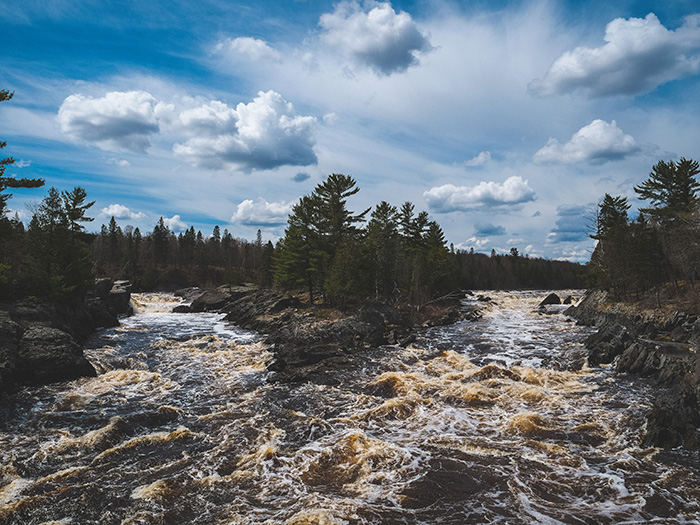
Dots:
pixel 494 421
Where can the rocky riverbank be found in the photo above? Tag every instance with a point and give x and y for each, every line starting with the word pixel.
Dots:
pixel 314 342
pixel 659 345
pixel 41 343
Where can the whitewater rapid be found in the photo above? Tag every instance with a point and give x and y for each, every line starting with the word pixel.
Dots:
pixel 494 421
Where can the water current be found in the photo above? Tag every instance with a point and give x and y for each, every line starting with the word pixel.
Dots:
pixel 492 421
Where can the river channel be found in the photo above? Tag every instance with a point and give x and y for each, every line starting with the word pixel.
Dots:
pixel 491 421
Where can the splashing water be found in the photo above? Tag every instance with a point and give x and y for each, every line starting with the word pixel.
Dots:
pixel 495 421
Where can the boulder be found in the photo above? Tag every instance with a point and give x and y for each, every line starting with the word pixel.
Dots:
pixel 552 298
pixel 48 355
pixel 120 301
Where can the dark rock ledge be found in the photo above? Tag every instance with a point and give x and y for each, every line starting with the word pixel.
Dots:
pixel 41 343
pixel 656 345
pixel 313 343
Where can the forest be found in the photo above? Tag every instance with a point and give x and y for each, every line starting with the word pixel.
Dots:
pixel 660 249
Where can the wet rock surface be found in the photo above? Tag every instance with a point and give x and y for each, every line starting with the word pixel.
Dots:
pixel 41 343
pixel 660 347
pixel 315 343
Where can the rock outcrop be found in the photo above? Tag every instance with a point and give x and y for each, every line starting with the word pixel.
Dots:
pixel 310 344
pixel 41 343
pixel 660 346
pixel 314 343
pixel 47 355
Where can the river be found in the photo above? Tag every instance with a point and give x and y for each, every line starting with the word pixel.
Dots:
pixel 490 421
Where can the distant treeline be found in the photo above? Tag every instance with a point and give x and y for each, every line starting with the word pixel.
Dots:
pixel 661 248
pixel 388 254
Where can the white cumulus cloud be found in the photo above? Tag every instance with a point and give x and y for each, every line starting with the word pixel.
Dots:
pixel 262 213
pixel 379 38
pixel 639 55
pixel 449 198
pixel 175 223
pixel 214 118
pixel 252 49
pixel 117 121
pixel 119 211
pixel 598 142
pixel 264 134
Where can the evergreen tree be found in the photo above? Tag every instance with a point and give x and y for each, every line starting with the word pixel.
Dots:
pixel 384 250
pixel 60 266
pixel 611 216
pixel 76 208
pixel 11 182
pixel 300 261
pixel 160 238
pixel 672 190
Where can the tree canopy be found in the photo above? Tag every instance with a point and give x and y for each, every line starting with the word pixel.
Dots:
pixel 7 181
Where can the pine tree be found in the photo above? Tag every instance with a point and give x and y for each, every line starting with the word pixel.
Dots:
pixel 384 249
pixel 672 190
pixel 76 208
pixel 61 267
pixel 300 261
pixel 611 216
pixel 10 182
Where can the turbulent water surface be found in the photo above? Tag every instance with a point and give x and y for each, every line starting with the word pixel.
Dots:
pixel 494 421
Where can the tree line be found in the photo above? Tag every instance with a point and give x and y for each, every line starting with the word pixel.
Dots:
pixel 661 246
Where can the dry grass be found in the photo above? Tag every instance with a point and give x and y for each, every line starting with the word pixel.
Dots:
pixel 669 299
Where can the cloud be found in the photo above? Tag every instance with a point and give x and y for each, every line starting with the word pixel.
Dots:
pixel 252 49
pixel 212 119
pixel 301 177
pixel 119 211
pixel 572 224
pixel 449 198
pixel 22 163
pixel 175 223
pixel 381 39
pixel 264 134
pixel 487 228
pixel 639 55
pixel 598 142
pixel 262 213
pixel 330 118
pixel 117 121
pixel 480 160
pixel 23 215
pixel 474 242
pixel 119 162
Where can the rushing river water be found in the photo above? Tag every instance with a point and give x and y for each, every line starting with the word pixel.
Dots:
pixel 493 421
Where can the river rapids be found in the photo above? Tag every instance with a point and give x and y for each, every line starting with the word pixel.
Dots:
pixel 493 421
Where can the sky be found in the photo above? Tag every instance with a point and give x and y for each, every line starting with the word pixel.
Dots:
pixel 507 121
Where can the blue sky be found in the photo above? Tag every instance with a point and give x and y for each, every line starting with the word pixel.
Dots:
pixel 506 121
